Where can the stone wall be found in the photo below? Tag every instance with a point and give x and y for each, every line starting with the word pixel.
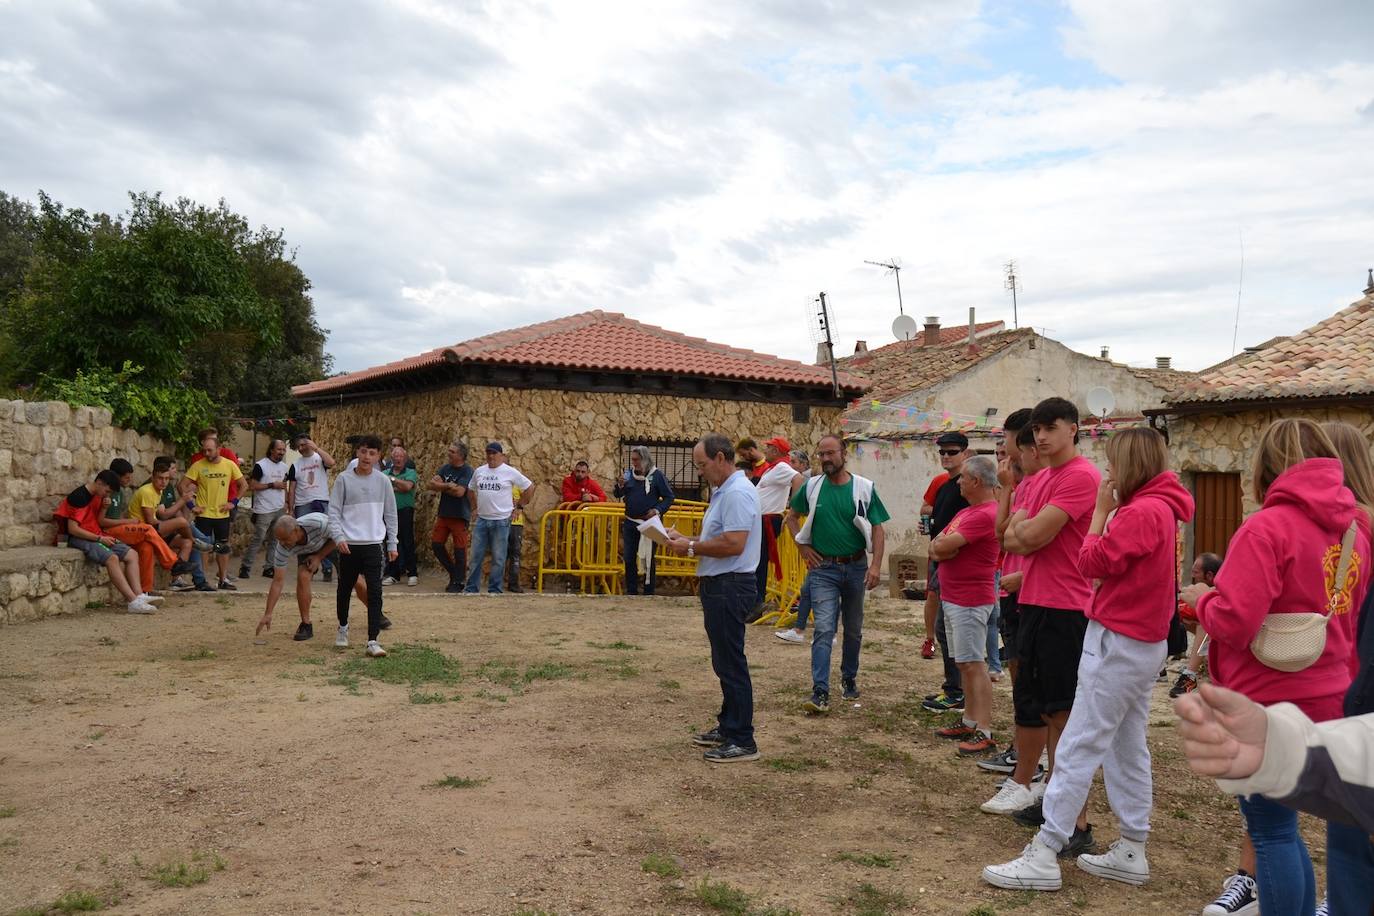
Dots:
pixel 546 431
pixel 1226 442
pixel 41 581
pixel 48 449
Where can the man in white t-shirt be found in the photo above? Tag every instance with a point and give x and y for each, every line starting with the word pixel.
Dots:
pixel 307 487
pixel 267 482
pixel 775 488
pixel 491 492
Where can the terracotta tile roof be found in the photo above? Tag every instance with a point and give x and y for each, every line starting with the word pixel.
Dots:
pixel 955 334
pixel 900 368
pixel 1332 358
pixel 605 341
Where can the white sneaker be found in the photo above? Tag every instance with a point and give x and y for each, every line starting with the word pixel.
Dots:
pixel 1012 797
pixel 388 581
pixel 375 650
pixel 1123 861
pixel 139 606
pixel 152 599
pixel 1036 870
pixel 1239 897
pixel 341 640
pixel 413 581
pixel 1323 908
pixel 789 635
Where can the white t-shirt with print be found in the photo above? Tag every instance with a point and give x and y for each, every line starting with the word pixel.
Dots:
pixel 312 479
pixel 493 489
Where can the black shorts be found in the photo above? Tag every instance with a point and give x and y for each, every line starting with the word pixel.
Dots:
pixel 217 528
pixel 1009 622
pixel 1049 645
pixel 933 577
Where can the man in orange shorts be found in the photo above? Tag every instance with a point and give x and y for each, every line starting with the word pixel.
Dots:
pixel 139 535
pixel 451 483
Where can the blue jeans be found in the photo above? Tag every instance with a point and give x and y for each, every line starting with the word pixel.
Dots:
pixel 1283 871
pixel 1349 870
pixel 803 605
pixel 725 601
pixel 836 589
pixel 488 534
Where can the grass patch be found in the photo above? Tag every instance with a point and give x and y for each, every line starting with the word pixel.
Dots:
pixel 132 672
pixel 499 672
pixel 348 682
pixel 199 653
pixel 548 671
pixel 179 874
pixel 70 902
pixel 107 641
pixel 95 736
pixel 8 811
pixel 310 660
pixel 619 645
pixel 222 601
pixel 459 782
pixel 94 605
pixel 405 663
pixel 9 842
pixel 424 699
pixel 982 910
pixel 797 764
pixel 867 900
pixel 868 859
pixel 723 896
pixel 670 685
pixel 658 864
pixel 231 620
pixel 618 667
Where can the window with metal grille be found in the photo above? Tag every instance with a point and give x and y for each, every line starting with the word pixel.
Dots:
pixel 801 413
pixel 674 459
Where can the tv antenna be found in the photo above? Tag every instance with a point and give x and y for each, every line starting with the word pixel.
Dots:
pixel 821 330
pixel 1013 284
pixel 896 268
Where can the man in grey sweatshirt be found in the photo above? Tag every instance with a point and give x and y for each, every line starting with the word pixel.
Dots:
pixel 362 524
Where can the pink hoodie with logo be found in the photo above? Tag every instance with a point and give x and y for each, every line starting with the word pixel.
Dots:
pixel 1134 558
pixel 1283 559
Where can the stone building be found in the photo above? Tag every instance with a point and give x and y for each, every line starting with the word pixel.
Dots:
pixel 582 387
pixel 970 380
pixel 1214 421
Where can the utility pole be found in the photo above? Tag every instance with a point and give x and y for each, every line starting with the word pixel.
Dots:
pixel 1012 284
pixel 896 269
pixel 824 315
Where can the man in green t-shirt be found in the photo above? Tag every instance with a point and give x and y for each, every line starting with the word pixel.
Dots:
pixel 844 525
pixel 404 479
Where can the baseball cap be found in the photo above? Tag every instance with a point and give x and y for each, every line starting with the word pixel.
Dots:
pixel 779 443
pixel 495 447
pixel 952 438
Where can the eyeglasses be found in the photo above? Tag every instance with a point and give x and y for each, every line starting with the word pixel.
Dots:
pixel 951 452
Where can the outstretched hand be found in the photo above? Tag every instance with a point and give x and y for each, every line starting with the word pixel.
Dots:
pixel 264 624
pixel 1223 732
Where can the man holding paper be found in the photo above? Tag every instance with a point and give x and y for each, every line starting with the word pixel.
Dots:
pixel 647 494
pixel 728 549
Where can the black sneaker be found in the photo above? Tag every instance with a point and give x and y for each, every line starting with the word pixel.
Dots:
pixel 943 702
pixel 515 589
pixel 454 588
pixel 244 572
pixel 731 753
pixel 268 572
pixel 1079 843
pixel 1239 894
pixel 1186 683
pixel 1031 816
pixel 329 574
pixel 304 631
pixel 180 568
pixel 708 739
pixel 1004 762
pixel 756 613
pixel 386 623
pixel 851 689
pixel 204 587
pixel 226 586
pixel 819 702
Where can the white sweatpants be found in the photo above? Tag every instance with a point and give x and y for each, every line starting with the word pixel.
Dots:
pixel 1111 710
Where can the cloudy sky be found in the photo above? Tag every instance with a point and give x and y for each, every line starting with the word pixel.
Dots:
pixel 450 169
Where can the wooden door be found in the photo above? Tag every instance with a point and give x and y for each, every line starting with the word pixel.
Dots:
pixel 1218 512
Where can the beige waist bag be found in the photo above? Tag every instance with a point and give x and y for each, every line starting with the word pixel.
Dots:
pixel 1294 641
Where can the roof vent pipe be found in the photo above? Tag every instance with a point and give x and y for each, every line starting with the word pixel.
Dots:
pixel 971 325
pixel 1163 362
pixel 1106 352
pixel 860 346
pixel 931 337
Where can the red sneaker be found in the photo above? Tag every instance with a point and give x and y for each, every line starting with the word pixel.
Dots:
pixel 958 730
pixel 928 647
pixel 981 744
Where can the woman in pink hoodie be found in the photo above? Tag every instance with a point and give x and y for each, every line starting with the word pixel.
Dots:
pixel 1123 649
pixel 1284 559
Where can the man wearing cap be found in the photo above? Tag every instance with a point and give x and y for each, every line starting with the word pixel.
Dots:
pixel 775 487
pixel 949 502
pixel 491 489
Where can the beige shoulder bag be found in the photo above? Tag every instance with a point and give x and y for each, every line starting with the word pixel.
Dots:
pixel 1294 641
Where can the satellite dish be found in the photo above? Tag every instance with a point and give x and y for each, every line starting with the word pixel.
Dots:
pixel 904 327
pixel 1100 401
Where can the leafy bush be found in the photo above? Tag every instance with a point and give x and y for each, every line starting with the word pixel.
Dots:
pixel 175 413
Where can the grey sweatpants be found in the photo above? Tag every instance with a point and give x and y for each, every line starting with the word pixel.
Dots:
pixel 1106 728
pixel 262 535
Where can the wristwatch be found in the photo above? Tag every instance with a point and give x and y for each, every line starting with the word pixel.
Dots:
pixel 691 548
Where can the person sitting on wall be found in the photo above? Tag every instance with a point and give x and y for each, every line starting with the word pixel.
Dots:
pixel 171 525
pixel 78 519
pixel 138 534
pixel 579 487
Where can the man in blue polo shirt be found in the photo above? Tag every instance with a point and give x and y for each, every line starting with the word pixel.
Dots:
pixel 728 549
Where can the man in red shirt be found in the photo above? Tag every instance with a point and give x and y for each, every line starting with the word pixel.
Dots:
pixel 579 487
pixel 78 518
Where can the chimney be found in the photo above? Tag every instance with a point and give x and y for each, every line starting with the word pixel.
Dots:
pixel 1369 287
pixel 860 346
pixel 1106 352
pixel 932 331
pixel 1163 362
pixel 972 324
pixel 822 354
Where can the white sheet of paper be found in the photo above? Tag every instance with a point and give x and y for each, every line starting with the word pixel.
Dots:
pixel 652 528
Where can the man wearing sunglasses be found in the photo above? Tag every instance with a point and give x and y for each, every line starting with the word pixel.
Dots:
pixel 948 503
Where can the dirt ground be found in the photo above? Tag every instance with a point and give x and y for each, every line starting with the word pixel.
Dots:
pixel 168 764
